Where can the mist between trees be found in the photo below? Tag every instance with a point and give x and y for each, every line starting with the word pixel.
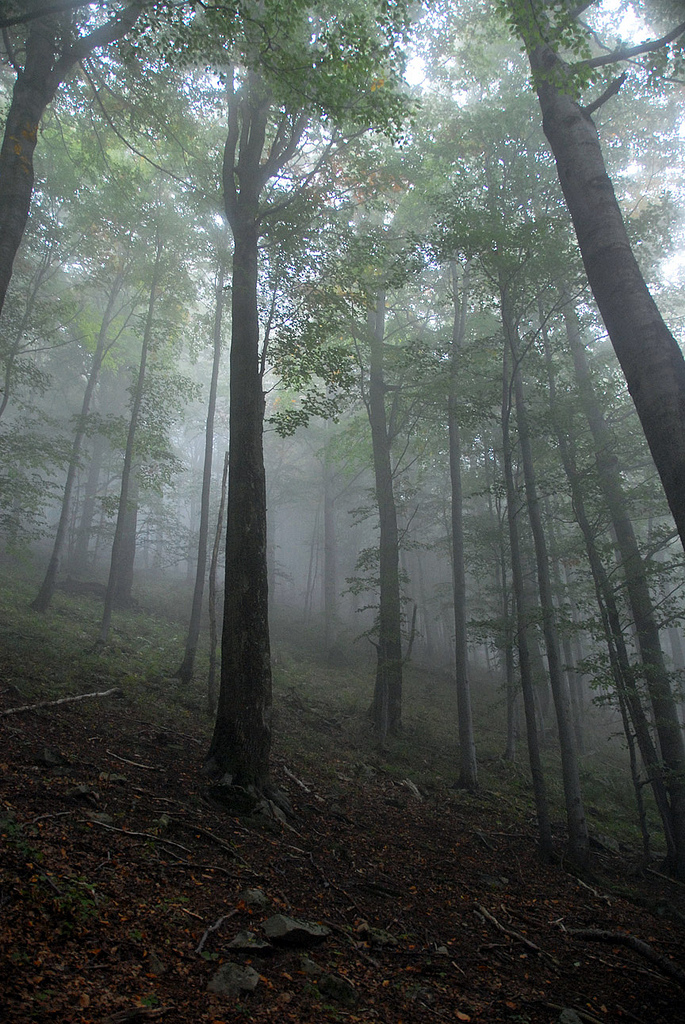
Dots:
pixel 438 345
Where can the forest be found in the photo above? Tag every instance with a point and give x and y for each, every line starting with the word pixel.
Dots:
pixel 342 510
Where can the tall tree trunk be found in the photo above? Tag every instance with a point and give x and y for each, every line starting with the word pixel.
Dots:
pixel 656 674
pixel 387 703
pixel 123 586
pixel 579 840
pixel 330 559
pixel 241 743
pixel 468 770
pixel 213 565
pixel 120 532
pixel 42 600
pixel 650 356
pixel 524 622
pixel 185 670
pixel 49 58
pixel 630 702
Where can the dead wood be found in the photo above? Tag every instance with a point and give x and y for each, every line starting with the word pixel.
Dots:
pixel 136 764
pixel 666 966
pixel 213 928
pixel 115 691
pixel 512 933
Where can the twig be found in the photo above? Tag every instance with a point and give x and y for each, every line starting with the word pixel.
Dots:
pixel 484 841
pixel 667 878
pixel 44 817
pixel 665 965
pixel 136 764
pixel 116 690
pixel 141 835
pixel 295 779
pixel 512 933
pixel 213 928
pixel 219 842
pixel 136 1013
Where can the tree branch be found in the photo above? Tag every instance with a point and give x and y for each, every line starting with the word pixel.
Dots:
pixel 632 51
pixel 43 12
pixel 610 91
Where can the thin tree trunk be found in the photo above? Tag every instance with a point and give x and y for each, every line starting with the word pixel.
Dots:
pixel 79 559
pixel 579 840
pixel 129 455
pixel 122 597
pixel 185 670
pixel 387 703
pixel 655 672
pixel 330 561
pixel 622 671
pixel 42 601
pixel 213 564
pixel 468 769
pixel 524 622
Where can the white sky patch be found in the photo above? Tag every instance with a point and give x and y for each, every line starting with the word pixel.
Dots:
pixel 415 73
pixel 673 269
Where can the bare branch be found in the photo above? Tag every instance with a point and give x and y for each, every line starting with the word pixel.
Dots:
pixel 610 91
pixel 626 53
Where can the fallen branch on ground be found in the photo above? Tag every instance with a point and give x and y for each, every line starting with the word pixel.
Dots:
pixel 136 764
pixel 213 928
pixel 666 966
pixel 115 691
pixel 511 933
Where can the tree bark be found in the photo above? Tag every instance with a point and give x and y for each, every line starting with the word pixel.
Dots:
pixel 213 565
pixel 241 743
pixel 650 356
pixel 387 703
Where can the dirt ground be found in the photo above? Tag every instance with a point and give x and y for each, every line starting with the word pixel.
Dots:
pixel 122 884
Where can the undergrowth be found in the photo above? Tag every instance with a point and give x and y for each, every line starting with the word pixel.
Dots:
pixel 321 712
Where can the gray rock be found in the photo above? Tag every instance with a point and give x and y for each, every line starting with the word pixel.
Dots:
pixel 375 936
pixel 154 964
pixel 248 942
pixel 232 979
pixel 287 931
pixel 333 986
pixel 569 1016
pixel 256 898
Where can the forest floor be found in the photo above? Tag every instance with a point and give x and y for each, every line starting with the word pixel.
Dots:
pixel 122 885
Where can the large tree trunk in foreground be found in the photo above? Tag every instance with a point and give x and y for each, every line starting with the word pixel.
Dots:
pixel 241 744
pixel 387 702
pixel 649 355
